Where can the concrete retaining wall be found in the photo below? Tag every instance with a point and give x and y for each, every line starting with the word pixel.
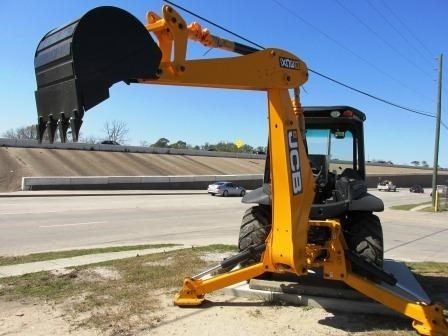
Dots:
pixel 186 182
pixel 405 180
pixel 189 182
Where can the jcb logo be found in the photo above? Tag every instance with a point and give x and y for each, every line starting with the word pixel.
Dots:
pixel 294 162
pixel 289 63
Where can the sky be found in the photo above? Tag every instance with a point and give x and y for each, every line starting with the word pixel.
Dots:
pixel 388 49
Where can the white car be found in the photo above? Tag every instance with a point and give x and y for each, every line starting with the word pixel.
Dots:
pixel 226 189
pixel 386 185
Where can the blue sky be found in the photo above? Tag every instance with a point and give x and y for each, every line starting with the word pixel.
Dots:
pixel 385 48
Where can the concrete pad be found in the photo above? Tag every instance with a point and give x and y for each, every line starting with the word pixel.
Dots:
pixel 315 291
pixel 327 303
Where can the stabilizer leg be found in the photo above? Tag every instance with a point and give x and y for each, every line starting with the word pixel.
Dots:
pixel 193 290
pixel 428 317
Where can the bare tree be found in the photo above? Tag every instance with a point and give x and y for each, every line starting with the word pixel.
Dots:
pixel 9 134
pixel 116 131
pixel 88 140
pixel 22 133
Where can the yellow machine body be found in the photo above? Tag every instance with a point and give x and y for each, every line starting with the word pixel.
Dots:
pixel 275 72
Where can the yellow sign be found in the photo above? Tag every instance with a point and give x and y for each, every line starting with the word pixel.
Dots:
pixel 239 143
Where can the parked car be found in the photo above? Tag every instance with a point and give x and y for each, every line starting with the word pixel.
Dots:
pixel 416 188
pixel 109 142
pixel 225 189
pixel 386 185
pixel 441 189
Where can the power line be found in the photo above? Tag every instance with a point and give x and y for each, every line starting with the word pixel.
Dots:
pixel 212 23
pixel 372 96
pixel 397 18
pixel 290 11
pixel 390 45
pixel 313 71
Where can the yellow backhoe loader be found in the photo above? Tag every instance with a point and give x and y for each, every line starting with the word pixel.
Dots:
pixel 77 64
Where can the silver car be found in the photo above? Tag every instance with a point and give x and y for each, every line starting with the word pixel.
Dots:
pixel 226 189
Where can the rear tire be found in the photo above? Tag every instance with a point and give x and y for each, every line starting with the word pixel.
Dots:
pixel 225 193
pixel 243 192
pixel 364 236
pixel 255 228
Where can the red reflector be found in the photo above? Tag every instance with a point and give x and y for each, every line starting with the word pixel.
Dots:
pixel 348 113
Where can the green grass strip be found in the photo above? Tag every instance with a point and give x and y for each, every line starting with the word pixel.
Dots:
pixel 14 260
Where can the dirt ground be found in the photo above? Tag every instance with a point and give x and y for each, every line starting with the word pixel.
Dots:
pixel 223 315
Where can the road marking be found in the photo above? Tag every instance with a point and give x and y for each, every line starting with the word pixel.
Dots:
pixel 73 224
pixel 27 212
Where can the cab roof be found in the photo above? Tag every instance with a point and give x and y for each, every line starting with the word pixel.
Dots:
pixel 324 111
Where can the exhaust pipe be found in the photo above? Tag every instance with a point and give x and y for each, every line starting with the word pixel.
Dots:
pixel 76 65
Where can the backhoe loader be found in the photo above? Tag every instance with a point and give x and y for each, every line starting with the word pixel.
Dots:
pixel 304 204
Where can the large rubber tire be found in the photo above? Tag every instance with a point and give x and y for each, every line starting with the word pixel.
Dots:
pixel 255 228
pixel 364 235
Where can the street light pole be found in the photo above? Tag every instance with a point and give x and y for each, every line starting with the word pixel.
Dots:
pixel 436 145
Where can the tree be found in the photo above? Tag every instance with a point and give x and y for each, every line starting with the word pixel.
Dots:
pixel 162 142
pixel 22 133
pixel 261 150
pixel 179 145
pixel 88 140
pixel 116 131
pixel 247 149
pixel 226 147
pixel 415 163
pixel 425 164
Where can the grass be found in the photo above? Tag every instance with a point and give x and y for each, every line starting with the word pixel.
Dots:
pixel 112 295
pixel 408 206
pixel 427 208
pixel 74 253
pixel 124 296
pixel 429 267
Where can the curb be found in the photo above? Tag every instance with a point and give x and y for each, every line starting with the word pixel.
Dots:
pixel 51 265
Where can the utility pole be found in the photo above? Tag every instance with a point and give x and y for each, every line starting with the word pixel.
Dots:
pixel 436 145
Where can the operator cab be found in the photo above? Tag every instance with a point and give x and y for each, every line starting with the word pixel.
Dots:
pixel 337 133
pixel 335 144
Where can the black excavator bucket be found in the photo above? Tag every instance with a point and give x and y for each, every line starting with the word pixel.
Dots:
pixel 77 64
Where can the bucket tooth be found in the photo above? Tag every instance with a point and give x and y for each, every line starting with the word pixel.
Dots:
pixel 40 127
pixel 75 125
pixel 63 124
pixel 76 65
pixel 52 124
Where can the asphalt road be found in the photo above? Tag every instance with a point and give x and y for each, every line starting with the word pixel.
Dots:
pixel 37 224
